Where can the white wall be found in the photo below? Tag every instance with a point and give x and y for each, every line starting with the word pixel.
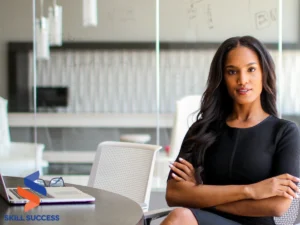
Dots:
pixel 181 20
pixel 15 25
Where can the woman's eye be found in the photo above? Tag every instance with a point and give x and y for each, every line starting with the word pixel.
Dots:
pixel 252 69
pixel 231 72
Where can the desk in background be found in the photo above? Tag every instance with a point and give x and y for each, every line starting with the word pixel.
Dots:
pixel 108 120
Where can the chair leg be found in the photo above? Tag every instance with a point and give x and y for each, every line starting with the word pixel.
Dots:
pixel 147 221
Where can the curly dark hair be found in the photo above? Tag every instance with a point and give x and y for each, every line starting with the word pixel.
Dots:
pixel 216 104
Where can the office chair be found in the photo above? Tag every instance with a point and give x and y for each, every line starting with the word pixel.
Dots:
pixel 292 215
pixel 185 116
pixel 127 169
pixel 17 158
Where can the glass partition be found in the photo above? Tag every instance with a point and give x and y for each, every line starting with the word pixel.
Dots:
pixel 18 152
pixel 288 85
pixel 97 83
pixel 97 65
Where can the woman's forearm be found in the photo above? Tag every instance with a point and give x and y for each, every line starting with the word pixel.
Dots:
pixel 275 206
pixel 187 194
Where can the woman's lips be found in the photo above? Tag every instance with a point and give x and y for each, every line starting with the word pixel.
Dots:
pixel 243 91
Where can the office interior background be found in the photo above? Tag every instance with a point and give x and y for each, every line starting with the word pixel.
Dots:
pixel 122 77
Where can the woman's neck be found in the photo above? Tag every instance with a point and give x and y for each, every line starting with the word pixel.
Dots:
pixel 247 114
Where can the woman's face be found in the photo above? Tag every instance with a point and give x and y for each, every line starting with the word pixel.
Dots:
pixel 243 75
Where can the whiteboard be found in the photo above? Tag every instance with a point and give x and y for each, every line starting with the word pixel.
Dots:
pixel 216 20
pixel 183 20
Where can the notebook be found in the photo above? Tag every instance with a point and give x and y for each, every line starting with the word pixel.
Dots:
pixel 54 194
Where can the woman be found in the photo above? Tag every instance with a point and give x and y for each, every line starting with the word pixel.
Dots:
pixel 239 163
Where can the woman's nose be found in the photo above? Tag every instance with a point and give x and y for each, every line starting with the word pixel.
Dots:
pixel 243 78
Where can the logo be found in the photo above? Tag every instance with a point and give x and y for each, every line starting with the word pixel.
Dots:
pixel 34 200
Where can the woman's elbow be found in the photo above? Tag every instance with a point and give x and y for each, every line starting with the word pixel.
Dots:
pixel 278 212
pixel 280 209
pixel 170 198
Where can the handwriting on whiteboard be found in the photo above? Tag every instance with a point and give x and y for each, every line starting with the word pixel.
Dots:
pixel 264 19
pixel 193 12
pixel 210 23
pixel 192 8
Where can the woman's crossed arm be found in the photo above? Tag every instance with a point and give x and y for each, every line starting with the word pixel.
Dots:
pixel 270 197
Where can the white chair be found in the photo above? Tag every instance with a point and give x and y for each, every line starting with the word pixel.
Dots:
pixel 17 158
pixel 292 215
pixel 185 116
pixel 126 169
pixel 186 112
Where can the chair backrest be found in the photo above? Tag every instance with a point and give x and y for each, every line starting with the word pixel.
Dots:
pixel 4 128
pixel 292 215
pixel 185 116
pixel 125 168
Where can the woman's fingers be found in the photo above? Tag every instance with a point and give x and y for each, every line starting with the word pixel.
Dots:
pixel 290 184
pixel 287 186
pixel 291 192
pixel 177 178
pixel 179 172
pixel 284 194
pixel 188 164
pixel 287 176
pixel 184 168
pixel 288 191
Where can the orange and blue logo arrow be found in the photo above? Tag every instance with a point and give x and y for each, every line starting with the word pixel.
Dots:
pixel 34 200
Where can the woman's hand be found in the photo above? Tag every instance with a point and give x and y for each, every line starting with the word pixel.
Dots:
pixel 282 185
pixel 183 171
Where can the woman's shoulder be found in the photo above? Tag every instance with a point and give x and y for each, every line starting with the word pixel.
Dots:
pixel 283 124
pixel 285 129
